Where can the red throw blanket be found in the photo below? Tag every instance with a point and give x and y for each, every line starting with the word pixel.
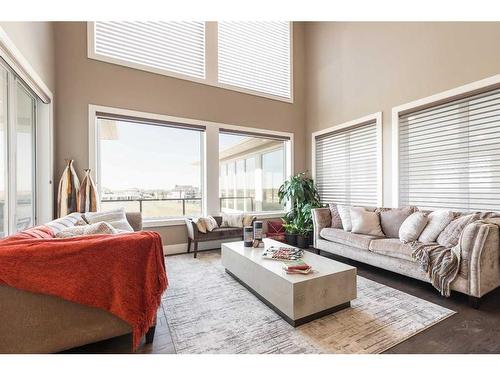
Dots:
pixel 123 274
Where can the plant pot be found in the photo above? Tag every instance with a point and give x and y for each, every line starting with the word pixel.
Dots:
pixel 291 239
pixel 303 241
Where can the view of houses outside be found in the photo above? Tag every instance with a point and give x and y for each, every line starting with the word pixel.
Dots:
pixel 162 176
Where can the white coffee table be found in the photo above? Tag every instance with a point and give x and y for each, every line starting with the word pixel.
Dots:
pixel 296 298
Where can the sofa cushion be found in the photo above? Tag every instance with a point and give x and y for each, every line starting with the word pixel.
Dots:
pixel 392 247
pixel 345 216
pixel 221 233
pixel 360 241
pixel 392 218
pixel 100 227
pixel 116 218
pixel 438 220
pixel 365 222
pixel 336 220
pixel 412 227
pixel 67 221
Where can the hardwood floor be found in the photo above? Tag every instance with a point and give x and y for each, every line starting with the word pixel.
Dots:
pixel 468 331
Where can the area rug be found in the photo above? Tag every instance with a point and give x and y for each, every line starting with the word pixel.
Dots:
pixel 209 312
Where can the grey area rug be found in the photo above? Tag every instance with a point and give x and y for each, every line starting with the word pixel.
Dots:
pixel 209 312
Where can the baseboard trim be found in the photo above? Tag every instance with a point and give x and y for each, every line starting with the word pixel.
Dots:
pixel 181 248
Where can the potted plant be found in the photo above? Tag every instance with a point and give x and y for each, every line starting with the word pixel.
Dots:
pixel 301 194
pixel 290 232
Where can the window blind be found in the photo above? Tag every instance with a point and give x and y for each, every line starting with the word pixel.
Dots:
pixel 177 47
pixel 346 166
pixel 255 56
pixel 449 154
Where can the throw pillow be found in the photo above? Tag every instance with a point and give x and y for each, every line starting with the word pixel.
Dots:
pixel 392 218
pixel 412 227
pixel 211 223
pixel 248 220
pixel 336 220
pixel 365 222
pixel 116 218
pixel 345 216
pixel 86 230
pixel 200 224
pixel 451 234
pixel 232 220
pixel 438 220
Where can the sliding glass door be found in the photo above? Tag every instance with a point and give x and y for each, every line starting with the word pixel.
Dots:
pixel 3 152
pixel 25 157
pixel 18 108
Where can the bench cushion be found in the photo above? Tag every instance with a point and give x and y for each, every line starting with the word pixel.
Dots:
pixel 221 233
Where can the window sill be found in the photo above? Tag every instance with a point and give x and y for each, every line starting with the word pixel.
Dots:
pixel 175 222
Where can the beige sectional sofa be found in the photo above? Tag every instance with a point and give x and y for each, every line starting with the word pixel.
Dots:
pixel 38 323
pixel 481 257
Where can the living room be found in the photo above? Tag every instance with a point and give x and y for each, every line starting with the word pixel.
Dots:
pixel 323 184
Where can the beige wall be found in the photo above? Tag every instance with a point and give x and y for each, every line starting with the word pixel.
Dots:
pixel 35 40
pixel 355 69
pixel 81 81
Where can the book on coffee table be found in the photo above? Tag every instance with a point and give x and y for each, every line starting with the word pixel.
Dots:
pixel 297 266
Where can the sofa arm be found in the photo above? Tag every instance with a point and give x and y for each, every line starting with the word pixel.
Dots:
pixel 480 256
pixel 322 218
pixel 192 229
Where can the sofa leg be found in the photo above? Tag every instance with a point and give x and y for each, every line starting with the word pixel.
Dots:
pixel 150 335
pixel 474 302
pixel 195 248
pixel 189 245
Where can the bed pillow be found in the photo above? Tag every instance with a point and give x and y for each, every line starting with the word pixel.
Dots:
pixel 345 216
pixel 451 234
pixel 412 227
pixel 336 220
pixel 116 218
pixel 391 219
pixel 365 222
pixel 86 230
pixel 438 220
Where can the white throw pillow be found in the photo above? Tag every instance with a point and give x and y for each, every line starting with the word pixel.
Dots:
pixel 86 230
pixel 116 218
pixel 232 220
pixel 412 227
pixel 345 216
pixel 200 224
pixel 438 220
pixel 211 223
pixel 365 222
pixel 248 220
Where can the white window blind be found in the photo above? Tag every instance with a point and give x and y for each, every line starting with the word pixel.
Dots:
pixel 449 155
pixel 255 56
pixel 346 166
pixel 177 47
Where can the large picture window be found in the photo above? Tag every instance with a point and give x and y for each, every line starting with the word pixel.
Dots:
pixel 449 154
pixel 251 171
pixel 169 168
pixel 150 167
pixel 347 162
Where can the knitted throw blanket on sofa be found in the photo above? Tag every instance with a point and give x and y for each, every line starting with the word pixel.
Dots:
pixel 443 264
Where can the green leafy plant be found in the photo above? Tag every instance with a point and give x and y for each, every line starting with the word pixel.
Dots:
pixel 301 193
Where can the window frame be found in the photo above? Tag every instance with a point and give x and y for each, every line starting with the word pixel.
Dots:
pixel 211 63
pixel 443 97
pixel 209 158
pixel 377 117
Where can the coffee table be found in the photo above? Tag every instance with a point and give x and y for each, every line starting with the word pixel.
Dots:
pixel 298 299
